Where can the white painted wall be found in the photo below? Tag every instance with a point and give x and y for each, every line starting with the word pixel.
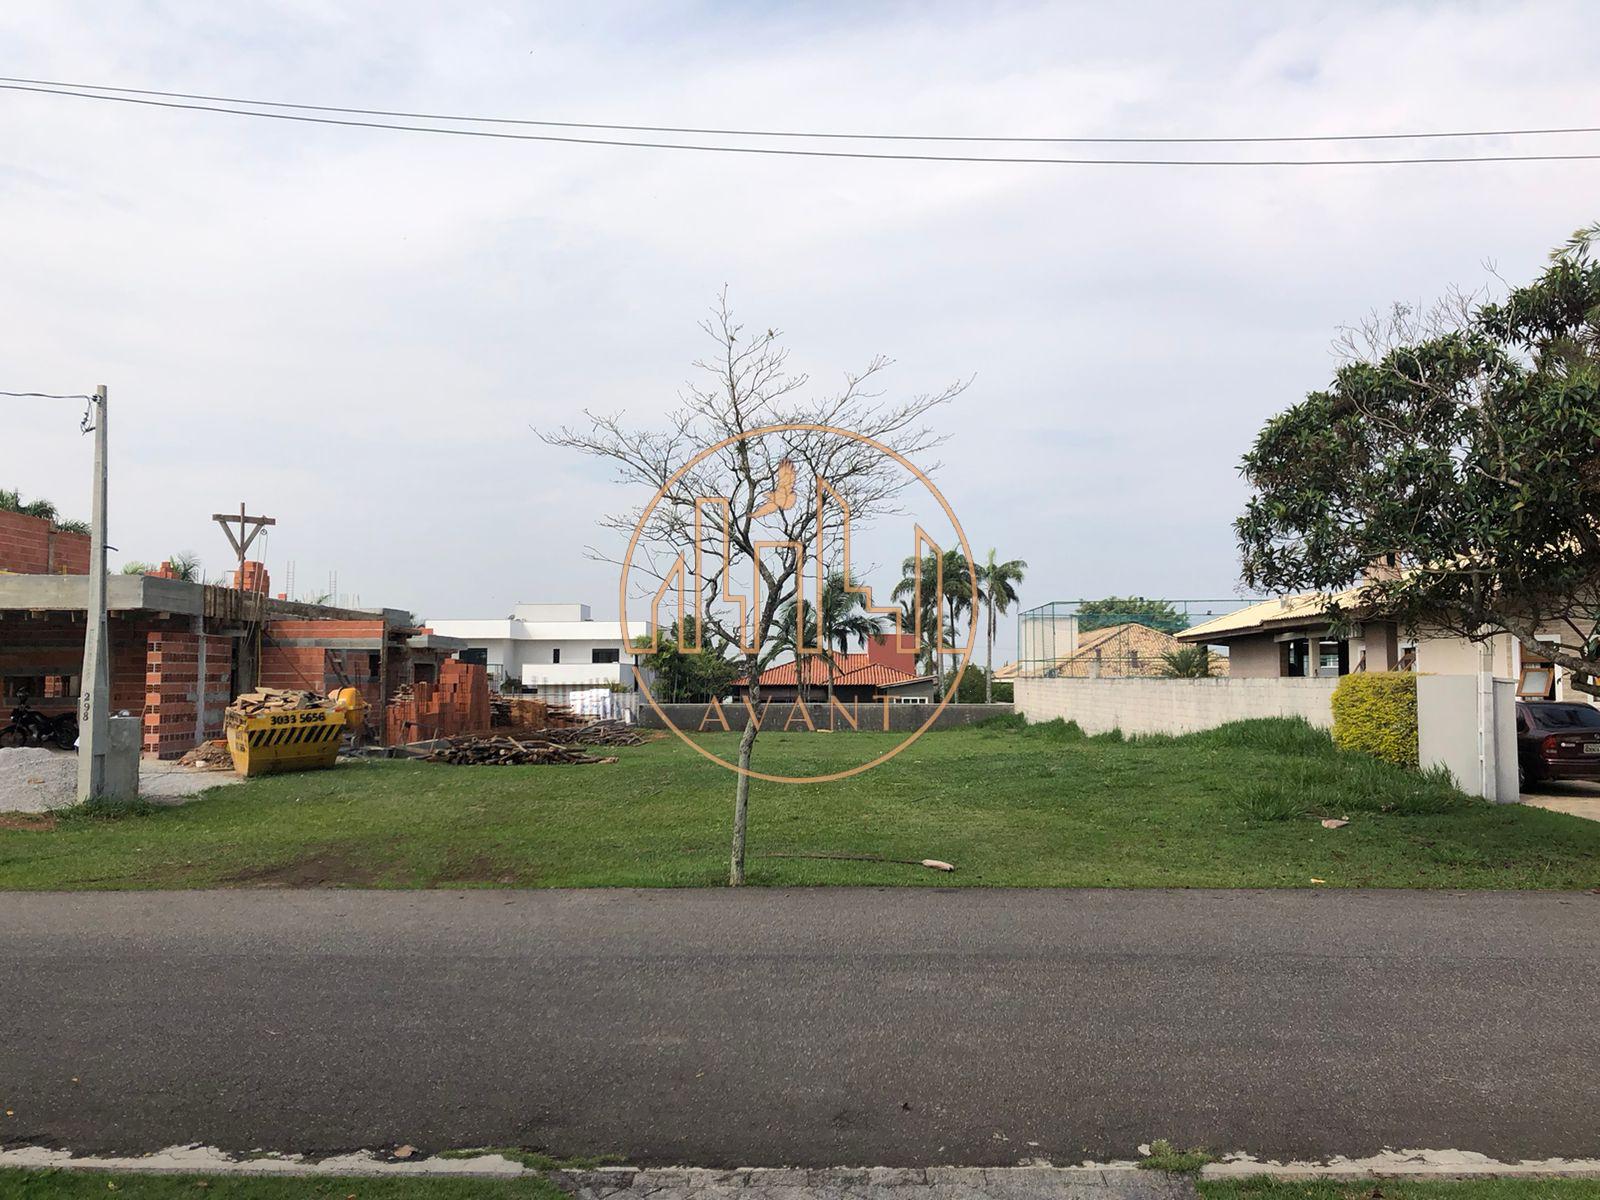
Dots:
pixel 1448 732
pixel 527 645
pixel 1173 705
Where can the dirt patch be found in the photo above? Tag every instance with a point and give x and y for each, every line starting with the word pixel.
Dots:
pixel 28 822
pixel 325 868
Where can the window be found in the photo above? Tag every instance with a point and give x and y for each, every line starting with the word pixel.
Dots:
pixel 602 654
pixel 1538 682
pixel 555 655
pixel 1331 658
pixel 1570 716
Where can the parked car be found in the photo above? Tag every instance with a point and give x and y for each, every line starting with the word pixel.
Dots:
pixel 1557 740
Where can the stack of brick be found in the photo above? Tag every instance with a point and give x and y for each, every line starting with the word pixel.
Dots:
pixel 253 578
pixel 458 703
pixel 188 680
pixel 34 546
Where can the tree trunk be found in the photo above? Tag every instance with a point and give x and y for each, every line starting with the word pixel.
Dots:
pixel 741 790
pixel 956 657
pixel 988 659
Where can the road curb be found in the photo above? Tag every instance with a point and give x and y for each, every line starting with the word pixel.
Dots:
pixel 1113 1179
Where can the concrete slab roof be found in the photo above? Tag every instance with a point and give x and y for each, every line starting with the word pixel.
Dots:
pixel 151 593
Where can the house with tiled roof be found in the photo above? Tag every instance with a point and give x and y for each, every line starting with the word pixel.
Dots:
pixel 880 672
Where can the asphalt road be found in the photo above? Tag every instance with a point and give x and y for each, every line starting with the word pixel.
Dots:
pixel 812 1027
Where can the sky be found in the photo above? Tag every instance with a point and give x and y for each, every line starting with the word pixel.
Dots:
pixel 361 332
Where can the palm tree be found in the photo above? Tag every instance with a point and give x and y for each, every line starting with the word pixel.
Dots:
pixel 999 582
pixel 844 619
pixel 186 566
pixel 1191 662
pixel 958 597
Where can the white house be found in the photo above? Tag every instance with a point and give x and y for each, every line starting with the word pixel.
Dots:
pixel 553 650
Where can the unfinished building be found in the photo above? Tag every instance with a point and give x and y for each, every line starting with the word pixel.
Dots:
pixel 180 651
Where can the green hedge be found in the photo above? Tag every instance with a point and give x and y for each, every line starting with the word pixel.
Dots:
pixel 1377 713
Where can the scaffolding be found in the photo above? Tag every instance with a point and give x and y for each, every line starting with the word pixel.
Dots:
pixel 1097 639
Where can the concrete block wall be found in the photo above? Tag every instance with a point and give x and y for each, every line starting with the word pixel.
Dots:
pixel 34 546
pixel 776 715
pixel 184 701
pixel 1173 705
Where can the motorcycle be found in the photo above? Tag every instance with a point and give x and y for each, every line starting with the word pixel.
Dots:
pixel 30 728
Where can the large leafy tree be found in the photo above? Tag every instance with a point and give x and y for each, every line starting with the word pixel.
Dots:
pixel 1118 610
pixel 1453 469
pixel 684 677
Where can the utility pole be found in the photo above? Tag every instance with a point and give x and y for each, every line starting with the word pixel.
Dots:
pixel 252 611
pixel 94 700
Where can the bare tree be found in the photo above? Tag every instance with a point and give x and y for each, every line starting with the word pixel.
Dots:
pixel 769 483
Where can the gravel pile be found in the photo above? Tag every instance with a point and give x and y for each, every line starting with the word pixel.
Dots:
pixel 33 779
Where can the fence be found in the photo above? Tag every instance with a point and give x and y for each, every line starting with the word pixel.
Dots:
pixel 1126 637
pixel 777 715
pixel 1173 705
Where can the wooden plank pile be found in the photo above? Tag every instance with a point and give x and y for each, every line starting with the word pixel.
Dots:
pixel 597 733
pixel 502 751
pixel 272 700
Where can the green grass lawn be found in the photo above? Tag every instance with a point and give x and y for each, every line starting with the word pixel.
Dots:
pixel 1041 806
pixel 1263 1188
pixel 80 1185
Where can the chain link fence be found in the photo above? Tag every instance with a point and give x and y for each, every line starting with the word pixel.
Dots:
pixel 1117 638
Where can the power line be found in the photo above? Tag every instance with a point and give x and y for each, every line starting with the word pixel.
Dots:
pixel 789 133
pixel 788 153
pixel 46 396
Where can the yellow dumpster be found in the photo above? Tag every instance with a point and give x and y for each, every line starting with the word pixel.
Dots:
pixel 301 740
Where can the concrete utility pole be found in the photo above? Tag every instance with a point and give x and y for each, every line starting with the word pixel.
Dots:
pixel 94 688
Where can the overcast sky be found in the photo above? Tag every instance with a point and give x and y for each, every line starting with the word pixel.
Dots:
pixel 354 330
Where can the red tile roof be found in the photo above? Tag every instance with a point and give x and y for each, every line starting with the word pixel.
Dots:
pixel 854 669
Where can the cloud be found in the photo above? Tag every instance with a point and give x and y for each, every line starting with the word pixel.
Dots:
pixel 358 331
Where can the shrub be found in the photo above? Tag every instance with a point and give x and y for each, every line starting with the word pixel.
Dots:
pixel 1272 735
pixel 1377 713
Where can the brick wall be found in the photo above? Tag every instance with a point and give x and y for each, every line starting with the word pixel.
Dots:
pixel 1173 705
pixel 33 546
pixel 53 648
pixel 177 690
pixel 316 656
